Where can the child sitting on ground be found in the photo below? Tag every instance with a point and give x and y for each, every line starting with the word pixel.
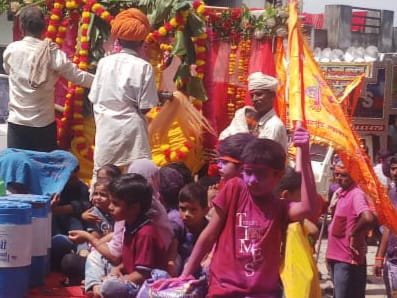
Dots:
pixel 142 250
pixel 193 208
pixel 248 222
pixel 73 265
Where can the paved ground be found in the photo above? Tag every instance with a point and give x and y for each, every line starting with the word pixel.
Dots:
pixel 375 285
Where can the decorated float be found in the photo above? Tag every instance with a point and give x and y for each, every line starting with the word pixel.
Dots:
pixel 204 52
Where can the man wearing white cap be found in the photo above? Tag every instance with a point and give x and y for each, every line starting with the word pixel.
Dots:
pixel 262 90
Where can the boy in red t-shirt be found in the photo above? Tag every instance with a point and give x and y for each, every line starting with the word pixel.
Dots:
pixel 248 222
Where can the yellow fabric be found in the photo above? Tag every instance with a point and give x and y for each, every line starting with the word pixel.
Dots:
pixel 130 24
pixel 299 273
pixel 312 101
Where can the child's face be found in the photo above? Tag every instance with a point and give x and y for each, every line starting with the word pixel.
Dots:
pixel 101 197
pixel 120 210
pixel 227 169
pixel 261 180
pixel 192 213
pixel 393 171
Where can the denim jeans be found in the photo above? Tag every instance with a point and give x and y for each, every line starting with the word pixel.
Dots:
pixel 390 278
pixel 113 287
pixel 349 280
pixel 96 267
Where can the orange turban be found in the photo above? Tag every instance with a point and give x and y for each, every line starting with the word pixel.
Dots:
pixel 130 24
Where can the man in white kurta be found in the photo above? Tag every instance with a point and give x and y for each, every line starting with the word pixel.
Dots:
pixel 122 92
pixel 262 90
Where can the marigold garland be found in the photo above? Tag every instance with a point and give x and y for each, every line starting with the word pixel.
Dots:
pixel 72 118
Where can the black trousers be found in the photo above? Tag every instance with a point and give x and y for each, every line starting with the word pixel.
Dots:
pixel 32 138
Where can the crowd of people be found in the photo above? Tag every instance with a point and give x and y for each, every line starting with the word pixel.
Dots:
pixel 143 227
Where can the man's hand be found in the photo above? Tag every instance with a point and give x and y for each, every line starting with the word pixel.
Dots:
pixel 378 267
pixel 353 244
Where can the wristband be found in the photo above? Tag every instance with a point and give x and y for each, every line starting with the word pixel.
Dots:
pixel 379 259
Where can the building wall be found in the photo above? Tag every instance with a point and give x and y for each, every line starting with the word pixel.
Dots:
pixel 5 30
pixel 318 6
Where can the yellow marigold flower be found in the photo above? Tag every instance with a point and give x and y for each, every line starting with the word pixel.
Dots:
pixel 105 14
pixel 201 9
pixel 83 52
pixel 96 6
pixel 200 62
pixel 173 156
pixel 200 49
pixel 184 149
pixel 86 14
pixel 83 65
pixel 79 90
pixel 59 40
pixel 54 17
pixel 51 28
pixel 163 31
pixel 173 22
pixel 164 147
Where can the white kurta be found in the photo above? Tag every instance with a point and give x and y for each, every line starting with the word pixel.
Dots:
pixel 124 84
pixel 271 127
pixel 35 107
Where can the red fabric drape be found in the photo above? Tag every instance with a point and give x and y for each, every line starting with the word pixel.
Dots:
pixel 217 76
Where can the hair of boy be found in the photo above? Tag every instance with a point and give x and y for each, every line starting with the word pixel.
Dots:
pixel 102 182
pixel 132 188
pixel 32 20
pixel 183 170
pixel 264 152
pixel 171 182
pixel 233 145
pixel 111 170
pixel 291 180
pixel 194 192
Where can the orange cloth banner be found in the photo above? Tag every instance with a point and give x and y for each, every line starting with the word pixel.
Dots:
pixel 280 104
pixel 311 100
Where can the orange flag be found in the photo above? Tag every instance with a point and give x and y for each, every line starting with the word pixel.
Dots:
pixel 312 101
pixel 350 96
pixel 280 103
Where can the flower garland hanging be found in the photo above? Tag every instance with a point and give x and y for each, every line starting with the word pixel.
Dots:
pixel 231 89
pixel 200 42
pixel 72 120
pixel 55 19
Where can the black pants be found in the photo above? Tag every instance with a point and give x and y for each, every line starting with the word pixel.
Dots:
pixel 32 138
